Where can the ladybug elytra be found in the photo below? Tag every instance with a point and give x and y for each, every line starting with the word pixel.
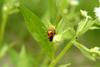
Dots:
pixel 51 33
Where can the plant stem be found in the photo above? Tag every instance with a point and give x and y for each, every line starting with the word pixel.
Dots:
pixel 3 25
pixel 67 47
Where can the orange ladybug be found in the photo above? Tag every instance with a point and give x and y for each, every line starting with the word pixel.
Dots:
pixel 51 33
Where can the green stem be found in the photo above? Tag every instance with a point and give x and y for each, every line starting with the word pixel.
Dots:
pixel 45 62
pixel 67 47
pixel 3 25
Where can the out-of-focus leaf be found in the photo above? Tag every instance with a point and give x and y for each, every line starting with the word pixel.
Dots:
pixel 14 56
pixel 3 50
pixel 52 11
pixel 39 7
pixel 37 29
pixel 95 52
pixel 84 26
pixel 10 6
pixel 86 52
pixel 24 60
pixel 88 5
pixel 97 23
pixel 5 65
pixel 62 6
pixel 46 21
pixel 91 38
pixel 19 60
pixel 65 65
pixel 94 27
pixel 88 26
pixel 65 35
pixel 1 2
pixel 80 27
pixel 61 26
pixel 68 33
pixel 64 32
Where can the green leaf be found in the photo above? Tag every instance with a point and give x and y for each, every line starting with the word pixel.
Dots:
pixel 97 23
pixel 10 6
pixel 4 50
pixel 88 25
pixel 84 26
pixel 39 7
pixel 94 27
pixel 46 21
pixel 61 26
pixel 88 5
pixel 65 65
pixel 14 56
pixel 23 59
pixel 86 52
pixel 62 6
pixel 95 52
pixel 52 11
pixel 64 31
pixel 37 29
pixel 81 27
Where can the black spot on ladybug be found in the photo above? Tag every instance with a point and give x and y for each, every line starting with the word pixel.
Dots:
pixel 51 33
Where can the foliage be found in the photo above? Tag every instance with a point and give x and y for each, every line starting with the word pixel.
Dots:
pixel 24 29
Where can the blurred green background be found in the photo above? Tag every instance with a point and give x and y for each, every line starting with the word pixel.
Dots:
pixel 16 35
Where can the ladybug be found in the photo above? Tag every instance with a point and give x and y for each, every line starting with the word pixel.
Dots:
pixel 51 33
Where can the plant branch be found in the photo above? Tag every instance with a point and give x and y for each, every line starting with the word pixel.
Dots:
pixel 67 47
pixel 3 25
